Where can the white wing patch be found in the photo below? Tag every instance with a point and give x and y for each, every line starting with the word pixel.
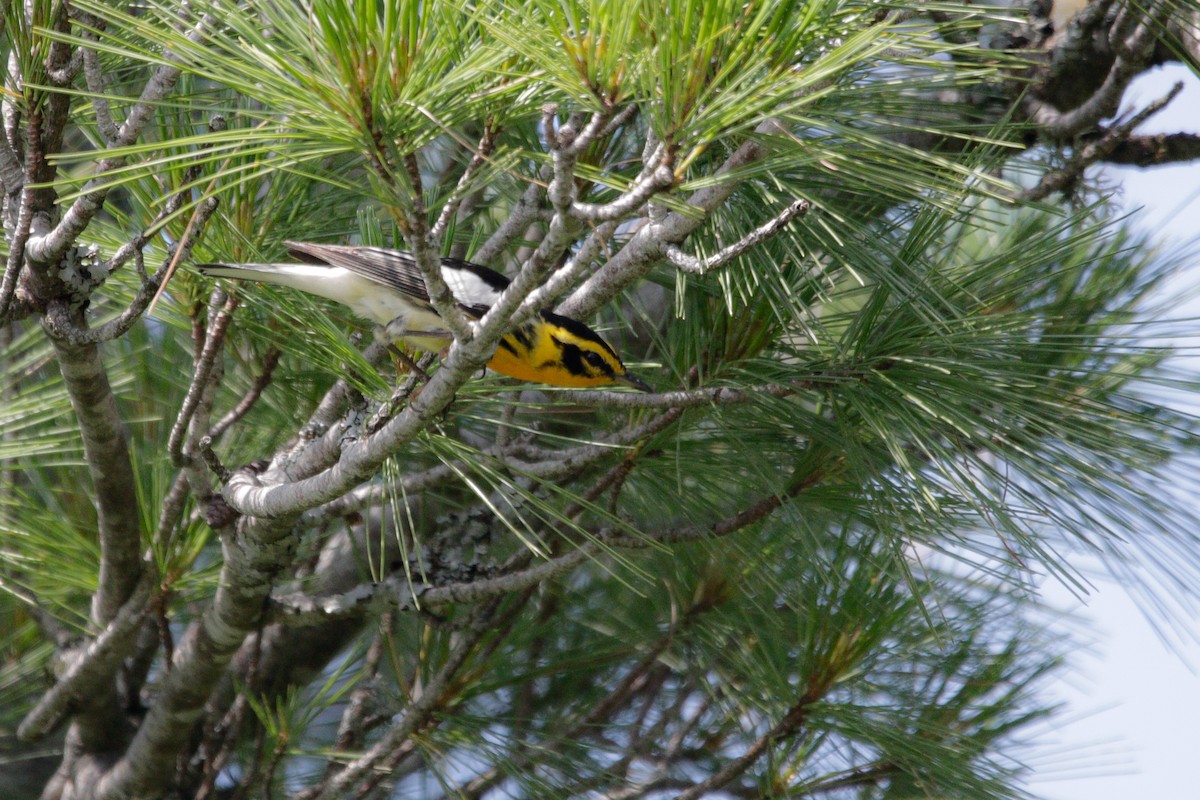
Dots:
pixel 468 288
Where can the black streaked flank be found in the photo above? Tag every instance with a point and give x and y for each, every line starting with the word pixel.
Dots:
pixel 524 334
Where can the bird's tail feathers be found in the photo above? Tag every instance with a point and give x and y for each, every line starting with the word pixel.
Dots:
pixel 312 278
pixel 252 272
pixel 364 296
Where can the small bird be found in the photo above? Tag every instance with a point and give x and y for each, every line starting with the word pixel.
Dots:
pixel 386 286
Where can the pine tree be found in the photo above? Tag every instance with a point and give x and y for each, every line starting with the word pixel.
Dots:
pixel 906 361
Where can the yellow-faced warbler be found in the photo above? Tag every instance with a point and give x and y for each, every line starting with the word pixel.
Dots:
pixel 386 286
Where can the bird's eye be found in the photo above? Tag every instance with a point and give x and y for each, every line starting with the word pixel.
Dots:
pixel 593 359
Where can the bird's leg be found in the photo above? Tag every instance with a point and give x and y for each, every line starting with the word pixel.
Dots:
pixel 410 365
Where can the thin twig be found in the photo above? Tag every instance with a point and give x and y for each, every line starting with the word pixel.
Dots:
pixel 522 215
pixel 96 88
pixel 221 308
pixel 16 251
pixel 350 728
pixel 619 120
pixel 427 259
pixel 415 716
pixel 698 266
pixel 1156 149
pixel 11 175
pixel 49 248
pixel 487 143
pixel 791 722
pixel 270 360
pixel 211 459
pixel 402 393
pixel 171 509
pixel 215 124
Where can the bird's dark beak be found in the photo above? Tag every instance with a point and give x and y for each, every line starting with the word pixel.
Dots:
pixel 633 382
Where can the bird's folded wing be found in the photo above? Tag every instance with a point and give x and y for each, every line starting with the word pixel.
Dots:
pixel 392 268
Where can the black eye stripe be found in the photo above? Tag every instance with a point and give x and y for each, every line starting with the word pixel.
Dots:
pixel 578 361
pixel 572 358
pixel 579 331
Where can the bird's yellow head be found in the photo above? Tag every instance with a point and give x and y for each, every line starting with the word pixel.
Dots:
pixel 559 351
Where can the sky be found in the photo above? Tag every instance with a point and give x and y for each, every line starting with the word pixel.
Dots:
pixel 1131 728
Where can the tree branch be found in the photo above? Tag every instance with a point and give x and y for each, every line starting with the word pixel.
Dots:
pixel 302 609
pixel 96 87
pixel 350 728
pixel 716 395
pixel 107 454
pixel 1094 151
pixel 425 252
pixel 540 463
pixel 629 201
pixel 1154 149
pixel 61 325
pixel 361 458
pixel 1133 52
pixel 415 716
pixel 251 561
pixel 647 246
pixel 527 209
pixel 93 667
pixel 570 273
pixel 16 253
pixel 12 177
